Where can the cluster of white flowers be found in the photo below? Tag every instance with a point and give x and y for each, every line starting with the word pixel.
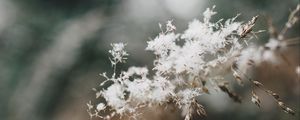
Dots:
pixel 118 53
pixel 206 52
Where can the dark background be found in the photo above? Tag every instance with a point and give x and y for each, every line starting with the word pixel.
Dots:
pixel 52 51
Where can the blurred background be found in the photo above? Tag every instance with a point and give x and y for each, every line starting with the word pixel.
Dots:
pixel 52 51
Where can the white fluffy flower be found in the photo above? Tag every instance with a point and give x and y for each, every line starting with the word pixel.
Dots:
pixel 208 13
pixel 100 106
pixel 162 44
pixel 114 96
pixel 118 53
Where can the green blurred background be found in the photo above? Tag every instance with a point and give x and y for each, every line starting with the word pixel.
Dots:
pixel 52 51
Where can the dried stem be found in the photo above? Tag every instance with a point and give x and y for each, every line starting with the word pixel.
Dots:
pixel 293 18
pixel 276 97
